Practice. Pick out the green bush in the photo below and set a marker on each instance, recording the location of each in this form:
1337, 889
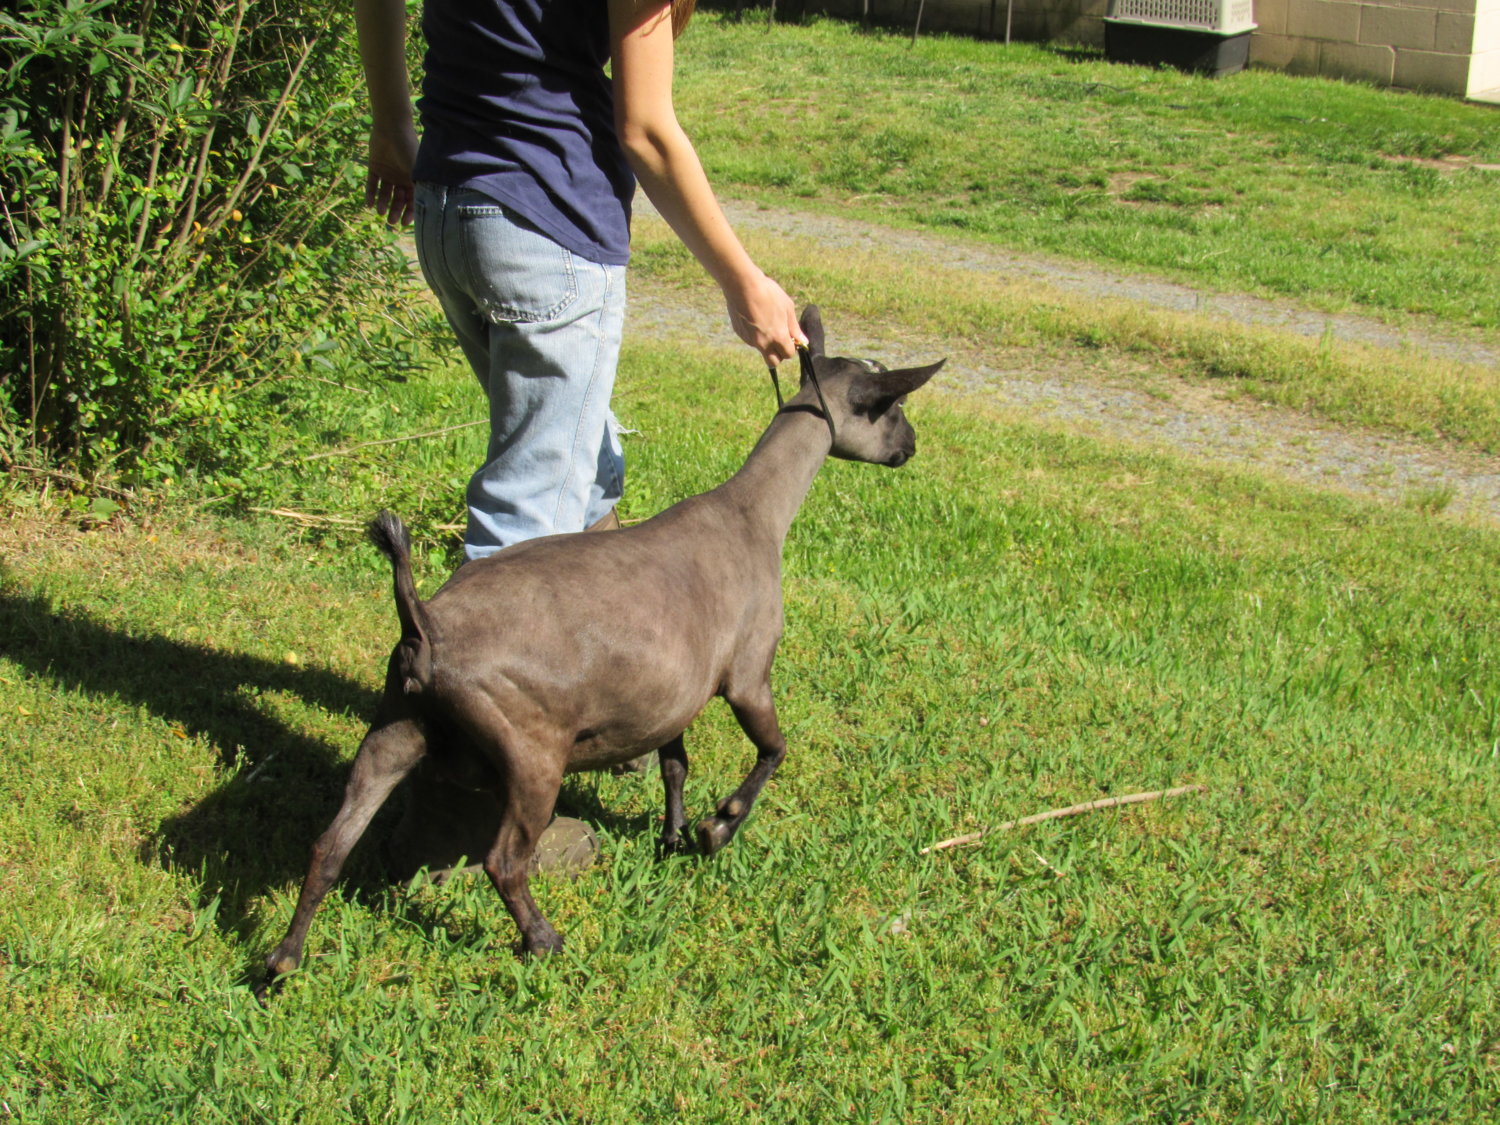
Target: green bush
180, 240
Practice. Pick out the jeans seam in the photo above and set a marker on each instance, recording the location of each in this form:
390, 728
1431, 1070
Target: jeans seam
612, 277
597, 315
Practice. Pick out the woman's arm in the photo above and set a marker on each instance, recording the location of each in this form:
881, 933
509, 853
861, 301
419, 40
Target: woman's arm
393, 137
669, 171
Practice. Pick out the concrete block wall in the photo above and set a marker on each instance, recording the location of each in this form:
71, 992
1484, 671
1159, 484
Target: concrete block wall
1419, 44
1449, 46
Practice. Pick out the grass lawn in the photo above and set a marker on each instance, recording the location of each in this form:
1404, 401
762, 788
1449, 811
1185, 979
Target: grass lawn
1337, 196
1018, 620
1015, 621
1336, 193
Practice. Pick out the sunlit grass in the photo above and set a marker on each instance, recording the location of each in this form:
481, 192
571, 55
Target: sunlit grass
1334, 193
1017, 620
1406, 391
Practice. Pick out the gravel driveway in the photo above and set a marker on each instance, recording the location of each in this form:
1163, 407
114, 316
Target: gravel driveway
1187, 418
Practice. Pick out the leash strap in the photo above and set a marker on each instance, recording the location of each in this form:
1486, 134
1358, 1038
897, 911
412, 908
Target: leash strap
776, 384
809, 374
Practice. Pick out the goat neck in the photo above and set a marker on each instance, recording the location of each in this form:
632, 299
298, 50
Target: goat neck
776, 477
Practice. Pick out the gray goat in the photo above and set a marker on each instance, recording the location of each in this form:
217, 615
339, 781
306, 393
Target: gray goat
579, 652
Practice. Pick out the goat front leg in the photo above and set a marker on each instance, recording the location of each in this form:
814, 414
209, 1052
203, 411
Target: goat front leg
387, 754
674, 768
756, 714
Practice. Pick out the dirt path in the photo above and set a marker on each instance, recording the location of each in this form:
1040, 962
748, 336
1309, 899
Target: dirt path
1187, 418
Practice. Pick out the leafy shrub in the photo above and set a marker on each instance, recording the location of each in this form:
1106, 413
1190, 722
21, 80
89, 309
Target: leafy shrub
179, 234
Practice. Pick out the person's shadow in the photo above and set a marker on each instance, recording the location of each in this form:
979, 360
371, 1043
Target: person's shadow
254, 831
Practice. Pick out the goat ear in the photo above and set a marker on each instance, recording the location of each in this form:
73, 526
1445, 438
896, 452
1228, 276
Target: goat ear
875, 393
812, 327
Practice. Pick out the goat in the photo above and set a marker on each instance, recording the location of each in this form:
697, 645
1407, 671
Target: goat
580, 652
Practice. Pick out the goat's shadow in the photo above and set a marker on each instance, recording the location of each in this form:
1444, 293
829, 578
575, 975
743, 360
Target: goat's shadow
252, 833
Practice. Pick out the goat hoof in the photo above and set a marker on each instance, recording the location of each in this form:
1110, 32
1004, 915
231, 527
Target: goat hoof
671, 845
277, 967
279, 964
543, 944
713, 833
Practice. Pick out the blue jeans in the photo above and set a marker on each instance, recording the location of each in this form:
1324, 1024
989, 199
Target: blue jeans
541, 328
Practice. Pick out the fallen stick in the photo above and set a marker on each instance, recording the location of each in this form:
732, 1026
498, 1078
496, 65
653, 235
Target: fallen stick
1071, 810
394, 440
307, 519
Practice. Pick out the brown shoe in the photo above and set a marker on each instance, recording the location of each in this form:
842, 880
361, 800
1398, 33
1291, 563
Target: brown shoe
607, 522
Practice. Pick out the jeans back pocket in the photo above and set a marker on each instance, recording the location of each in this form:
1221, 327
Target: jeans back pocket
514, 272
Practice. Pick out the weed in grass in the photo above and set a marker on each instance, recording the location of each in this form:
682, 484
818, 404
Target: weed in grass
1430, 499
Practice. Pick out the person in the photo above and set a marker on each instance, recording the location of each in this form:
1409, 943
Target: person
520, 189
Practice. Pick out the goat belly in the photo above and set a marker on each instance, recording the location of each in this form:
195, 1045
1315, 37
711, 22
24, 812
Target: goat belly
589, 753
610, 743
633, 717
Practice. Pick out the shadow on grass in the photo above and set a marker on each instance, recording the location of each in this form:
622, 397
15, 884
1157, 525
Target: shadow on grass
253, 833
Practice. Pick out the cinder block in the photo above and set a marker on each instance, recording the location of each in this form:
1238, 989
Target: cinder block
1456, 5
1283, 52
1429, 70
1337, 20
1454, 33
1086, 30
1271, 16
1398, 27
1354, 60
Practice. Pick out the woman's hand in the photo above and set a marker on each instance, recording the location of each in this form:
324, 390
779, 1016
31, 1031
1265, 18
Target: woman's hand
765, 318
388, 186
393, 141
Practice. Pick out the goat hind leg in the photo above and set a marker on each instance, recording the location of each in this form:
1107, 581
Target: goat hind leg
757, 717
528, 801
386, 755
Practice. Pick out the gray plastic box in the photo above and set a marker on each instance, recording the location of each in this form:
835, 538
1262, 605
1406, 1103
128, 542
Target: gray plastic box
1207, 36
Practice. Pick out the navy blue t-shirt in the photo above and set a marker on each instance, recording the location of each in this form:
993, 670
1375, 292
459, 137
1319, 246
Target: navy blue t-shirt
515, 103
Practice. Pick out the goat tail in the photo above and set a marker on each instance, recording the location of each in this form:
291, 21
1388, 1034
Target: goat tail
414, 651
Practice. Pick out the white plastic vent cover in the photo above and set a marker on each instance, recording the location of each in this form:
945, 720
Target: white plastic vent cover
1226, 16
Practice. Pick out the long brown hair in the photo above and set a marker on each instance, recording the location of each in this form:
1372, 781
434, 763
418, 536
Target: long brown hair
682, 11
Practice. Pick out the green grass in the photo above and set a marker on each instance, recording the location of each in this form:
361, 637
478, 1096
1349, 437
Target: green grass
1335, 193
1015, 621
